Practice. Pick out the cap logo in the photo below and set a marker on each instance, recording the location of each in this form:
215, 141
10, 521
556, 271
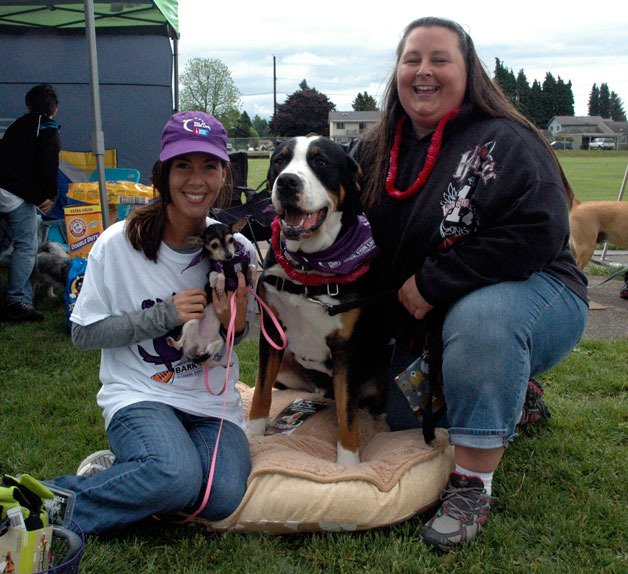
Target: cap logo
198, 127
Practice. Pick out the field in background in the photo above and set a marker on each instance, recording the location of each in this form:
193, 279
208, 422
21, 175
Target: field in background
593, 175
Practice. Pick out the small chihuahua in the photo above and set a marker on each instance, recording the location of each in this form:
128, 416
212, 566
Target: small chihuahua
201, 339
226, 256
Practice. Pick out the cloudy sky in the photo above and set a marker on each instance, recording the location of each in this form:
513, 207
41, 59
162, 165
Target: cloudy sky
342, 47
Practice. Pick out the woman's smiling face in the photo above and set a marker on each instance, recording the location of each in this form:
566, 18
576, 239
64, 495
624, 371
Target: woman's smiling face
431, 76
195, 182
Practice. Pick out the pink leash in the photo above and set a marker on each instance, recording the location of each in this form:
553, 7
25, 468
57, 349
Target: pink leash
230, 343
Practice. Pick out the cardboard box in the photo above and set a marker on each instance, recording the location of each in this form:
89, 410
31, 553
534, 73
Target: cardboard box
83, 224
25, 552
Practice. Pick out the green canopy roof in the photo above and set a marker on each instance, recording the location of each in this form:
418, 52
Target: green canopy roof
70, 14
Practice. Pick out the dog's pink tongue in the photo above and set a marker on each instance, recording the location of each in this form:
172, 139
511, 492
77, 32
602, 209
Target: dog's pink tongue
311, 219
297, 218
293, 217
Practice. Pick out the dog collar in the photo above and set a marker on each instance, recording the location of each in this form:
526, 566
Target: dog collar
241, 255
343, 262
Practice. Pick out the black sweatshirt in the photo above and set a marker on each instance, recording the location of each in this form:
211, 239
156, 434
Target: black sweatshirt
29, 158
493, 209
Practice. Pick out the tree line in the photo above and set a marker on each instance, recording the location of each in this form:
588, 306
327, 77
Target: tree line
206, 84
541, 102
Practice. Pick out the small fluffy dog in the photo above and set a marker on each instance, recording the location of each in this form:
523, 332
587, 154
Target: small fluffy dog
201, 339
593, 222
51, 267
316, 278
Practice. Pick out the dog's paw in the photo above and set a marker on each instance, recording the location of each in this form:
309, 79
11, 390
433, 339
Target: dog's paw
256, 427
346, 457
213, 347
217, 281
175, 343
220, 284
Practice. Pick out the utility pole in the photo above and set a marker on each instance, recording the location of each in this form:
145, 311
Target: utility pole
274, 98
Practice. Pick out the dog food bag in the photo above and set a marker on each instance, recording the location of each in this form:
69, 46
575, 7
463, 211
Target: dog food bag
118, 192
83, 224
73, 286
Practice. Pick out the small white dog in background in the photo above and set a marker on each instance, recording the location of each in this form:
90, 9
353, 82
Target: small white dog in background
52, 266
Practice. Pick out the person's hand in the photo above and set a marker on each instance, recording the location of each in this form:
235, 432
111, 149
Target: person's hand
45, 206
412, 300
221, 304
190, 304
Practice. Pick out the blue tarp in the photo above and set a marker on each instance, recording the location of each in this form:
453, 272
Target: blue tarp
135, 70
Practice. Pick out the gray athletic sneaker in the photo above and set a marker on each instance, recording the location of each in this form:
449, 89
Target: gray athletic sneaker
96, 462
462, 514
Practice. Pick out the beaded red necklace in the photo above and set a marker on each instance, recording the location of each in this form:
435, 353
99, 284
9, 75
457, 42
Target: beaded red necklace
430, 161
309, 279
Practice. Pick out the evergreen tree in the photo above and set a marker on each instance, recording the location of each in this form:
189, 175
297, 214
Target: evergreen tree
605, 101
523, 94
304, 111
364, 103
564, 99
536, 114
617, 108
506, 80
243, 129
260, 125
594, 101
551, 99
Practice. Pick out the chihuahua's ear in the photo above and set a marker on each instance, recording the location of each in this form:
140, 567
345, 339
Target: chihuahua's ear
238, 225
194, 240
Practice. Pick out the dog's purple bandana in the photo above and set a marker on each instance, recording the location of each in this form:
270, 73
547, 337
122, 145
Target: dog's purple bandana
239, 262
230, 268
351, 249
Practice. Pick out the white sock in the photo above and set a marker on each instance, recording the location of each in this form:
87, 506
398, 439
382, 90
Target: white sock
485, 477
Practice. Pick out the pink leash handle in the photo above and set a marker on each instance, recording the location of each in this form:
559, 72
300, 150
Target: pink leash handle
229, 347
282, 334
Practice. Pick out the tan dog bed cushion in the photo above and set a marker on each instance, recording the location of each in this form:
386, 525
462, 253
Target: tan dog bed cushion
296, 485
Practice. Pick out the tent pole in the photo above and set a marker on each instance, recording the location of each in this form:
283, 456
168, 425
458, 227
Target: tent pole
98, 138
175, 45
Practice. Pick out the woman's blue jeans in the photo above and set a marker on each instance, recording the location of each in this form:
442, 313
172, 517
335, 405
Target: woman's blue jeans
494, 340
162, 462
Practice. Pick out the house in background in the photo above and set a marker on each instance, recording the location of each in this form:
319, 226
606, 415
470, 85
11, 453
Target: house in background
346, 126
582, 129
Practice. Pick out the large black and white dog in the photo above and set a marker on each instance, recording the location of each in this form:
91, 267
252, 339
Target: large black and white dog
316, 278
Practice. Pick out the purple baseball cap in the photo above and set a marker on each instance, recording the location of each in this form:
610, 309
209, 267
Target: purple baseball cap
188, 132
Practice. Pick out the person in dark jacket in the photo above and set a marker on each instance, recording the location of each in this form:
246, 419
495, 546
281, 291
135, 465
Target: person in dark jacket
29, 163
468, 205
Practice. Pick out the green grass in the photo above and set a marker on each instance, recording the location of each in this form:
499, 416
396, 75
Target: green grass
594, 175
258, 169
559, 494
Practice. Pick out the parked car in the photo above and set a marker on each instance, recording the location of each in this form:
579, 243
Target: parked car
602, 143
562, 144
